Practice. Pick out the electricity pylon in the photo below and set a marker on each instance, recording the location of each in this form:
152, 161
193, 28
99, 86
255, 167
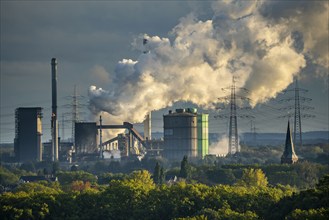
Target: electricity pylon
253, 132
297, 115
75, 109
233, 146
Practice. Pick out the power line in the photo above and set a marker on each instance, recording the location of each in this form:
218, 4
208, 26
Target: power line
234, 146
297, 115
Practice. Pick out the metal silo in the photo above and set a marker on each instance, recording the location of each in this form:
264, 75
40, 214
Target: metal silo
180, 134
203, 136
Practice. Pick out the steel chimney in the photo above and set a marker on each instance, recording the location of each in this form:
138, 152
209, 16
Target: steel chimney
54, 122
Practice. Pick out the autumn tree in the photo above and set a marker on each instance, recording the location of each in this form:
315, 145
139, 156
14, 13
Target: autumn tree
253, 177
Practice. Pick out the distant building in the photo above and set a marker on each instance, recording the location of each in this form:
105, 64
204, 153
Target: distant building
65, 151
85, 137
123, 144
185, 133
180, 135
31, 179
203, 136
289, 156
28, 132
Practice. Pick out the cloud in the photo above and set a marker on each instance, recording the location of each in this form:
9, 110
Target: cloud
309, 19
100, 75
201, 59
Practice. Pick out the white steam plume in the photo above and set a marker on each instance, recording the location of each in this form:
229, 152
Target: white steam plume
201, 59
220, 148
308, 21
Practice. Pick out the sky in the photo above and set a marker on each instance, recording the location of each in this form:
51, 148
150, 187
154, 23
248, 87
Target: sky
191, 51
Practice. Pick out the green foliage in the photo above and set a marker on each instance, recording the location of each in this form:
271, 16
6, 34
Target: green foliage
310, 214
39, 187
105, 178
28, 166
74, 168
127, 196
136, 196
253, 177
173, 172
227, 213
285, 178
22, 205
7, 177
162, 178
19, 172
221, 176
199, 217
304, 203
156, 173
323, 184
185, 169
177, 200
140, 178
68, 177
308, 173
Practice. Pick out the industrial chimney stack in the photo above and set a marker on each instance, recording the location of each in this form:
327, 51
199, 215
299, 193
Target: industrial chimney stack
54, 122
147, 127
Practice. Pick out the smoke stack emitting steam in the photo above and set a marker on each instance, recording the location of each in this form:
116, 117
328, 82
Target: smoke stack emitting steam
54, 122
202, 57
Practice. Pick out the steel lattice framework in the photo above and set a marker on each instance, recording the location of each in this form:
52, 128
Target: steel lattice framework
233, 145
297, 115
233, 127
75, 113
297, 119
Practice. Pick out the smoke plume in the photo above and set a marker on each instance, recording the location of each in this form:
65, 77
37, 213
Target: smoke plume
220, 147
263, 48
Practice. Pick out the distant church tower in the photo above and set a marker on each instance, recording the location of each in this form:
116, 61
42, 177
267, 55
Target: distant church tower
289, 156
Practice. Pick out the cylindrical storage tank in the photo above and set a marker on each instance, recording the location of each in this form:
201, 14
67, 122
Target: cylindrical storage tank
180, 135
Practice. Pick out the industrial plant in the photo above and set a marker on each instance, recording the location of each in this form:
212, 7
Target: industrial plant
28, 131
185, 133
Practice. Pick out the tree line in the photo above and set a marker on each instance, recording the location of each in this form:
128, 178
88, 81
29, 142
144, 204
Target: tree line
206, 191
136, 196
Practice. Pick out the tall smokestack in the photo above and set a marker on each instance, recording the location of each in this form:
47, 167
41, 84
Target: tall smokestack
54, 122
147, 127
101, 156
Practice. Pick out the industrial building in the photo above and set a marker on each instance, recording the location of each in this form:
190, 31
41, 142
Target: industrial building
203, 135
28, 132
147, 126
65, 151
85, 137
129, 144
185, 133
